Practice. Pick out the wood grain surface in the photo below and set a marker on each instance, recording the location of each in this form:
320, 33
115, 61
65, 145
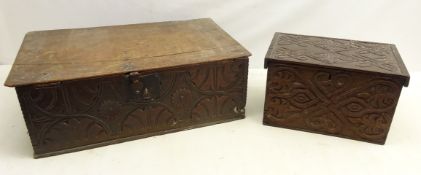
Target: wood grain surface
68, 54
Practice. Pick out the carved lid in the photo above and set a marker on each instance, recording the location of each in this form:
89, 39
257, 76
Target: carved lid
67, 54
337, 53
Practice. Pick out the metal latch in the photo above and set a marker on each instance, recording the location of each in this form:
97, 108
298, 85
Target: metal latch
143, 87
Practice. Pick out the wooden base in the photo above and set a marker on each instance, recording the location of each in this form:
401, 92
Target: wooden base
120, 140
323, 133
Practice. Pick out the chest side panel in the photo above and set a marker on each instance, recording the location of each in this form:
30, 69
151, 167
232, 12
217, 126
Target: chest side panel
78, 113
334, 102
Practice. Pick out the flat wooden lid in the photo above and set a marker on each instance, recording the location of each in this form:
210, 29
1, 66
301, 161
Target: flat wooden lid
68, 54
337, 53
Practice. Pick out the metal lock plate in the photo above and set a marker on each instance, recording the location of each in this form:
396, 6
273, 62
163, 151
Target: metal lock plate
143, 87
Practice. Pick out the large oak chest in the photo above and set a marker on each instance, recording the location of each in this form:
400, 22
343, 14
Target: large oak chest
83, 88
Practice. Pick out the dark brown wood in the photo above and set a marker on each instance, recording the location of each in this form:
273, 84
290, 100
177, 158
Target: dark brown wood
332, 86
84, 88
73, 115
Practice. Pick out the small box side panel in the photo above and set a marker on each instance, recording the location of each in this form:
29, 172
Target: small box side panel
73, 114
330, 101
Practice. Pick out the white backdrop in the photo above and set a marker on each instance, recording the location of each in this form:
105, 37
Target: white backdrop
251, 22
240, 147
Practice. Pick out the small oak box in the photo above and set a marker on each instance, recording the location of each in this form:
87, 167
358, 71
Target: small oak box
84, 88
332, 86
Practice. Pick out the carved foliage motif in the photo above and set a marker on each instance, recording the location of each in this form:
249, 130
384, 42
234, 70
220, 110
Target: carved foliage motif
77, 113
347, 104
217, 106
148, 117
329, 51
220, 77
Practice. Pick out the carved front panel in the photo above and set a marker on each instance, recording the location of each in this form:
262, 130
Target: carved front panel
77, 113
334, 102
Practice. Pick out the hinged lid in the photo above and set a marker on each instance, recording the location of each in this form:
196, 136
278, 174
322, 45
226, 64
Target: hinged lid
337, 53
67, 54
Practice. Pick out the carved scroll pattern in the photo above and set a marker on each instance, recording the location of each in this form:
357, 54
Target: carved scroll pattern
78, 113
332, 102
348, 53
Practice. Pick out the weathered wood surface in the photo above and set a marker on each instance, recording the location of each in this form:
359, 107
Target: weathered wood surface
332, 86
337, 53
68, 54
76, 115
